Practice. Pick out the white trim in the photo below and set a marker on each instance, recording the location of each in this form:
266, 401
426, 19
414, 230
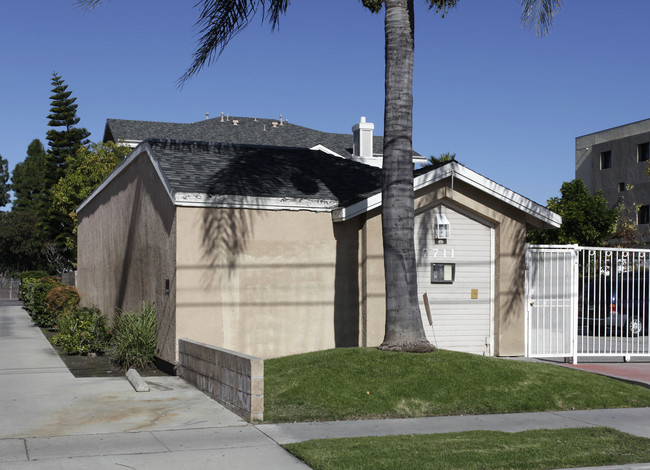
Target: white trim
370, 161
324, 149
129, 142
247, 202
493, 258
464, 174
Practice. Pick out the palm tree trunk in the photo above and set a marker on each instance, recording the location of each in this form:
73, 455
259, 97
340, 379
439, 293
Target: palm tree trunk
404, 330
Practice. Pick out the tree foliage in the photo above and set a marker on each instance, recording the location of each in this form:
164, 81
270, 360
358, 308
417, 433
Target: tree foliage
22, 244
586, 219
442, 158
89, 167
4, 182
64, 141
28, 181
20, 247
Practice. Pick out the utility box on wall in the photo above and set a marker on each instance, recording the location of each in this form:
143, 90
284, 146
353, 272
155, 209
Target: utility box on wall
443, 273
442, 227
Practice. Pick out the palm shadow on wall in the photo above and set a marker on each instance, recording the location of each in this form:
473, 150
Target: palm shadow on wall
251, 175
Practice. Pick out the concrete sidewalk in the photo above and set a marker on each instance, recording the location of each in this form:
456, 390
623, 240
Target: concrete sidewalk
51, 420
630, 420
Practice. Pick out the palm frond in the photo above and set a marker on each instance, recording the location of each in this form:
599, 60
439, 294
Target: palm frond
539, 14
88, 5
221, 20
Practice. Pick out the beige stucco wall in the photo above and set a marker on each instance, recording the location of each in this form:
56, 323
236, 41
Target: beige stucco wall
268, 283
126, 242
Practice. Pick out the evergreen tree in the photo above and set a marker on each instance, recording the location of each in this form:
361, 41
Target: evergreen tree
64, 140
20, 248
22, 241
28, 182
4, 182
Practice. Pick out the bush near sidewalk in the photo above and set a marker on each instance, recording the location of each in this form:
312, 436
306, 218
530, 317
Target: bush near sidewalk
26, 279
61, 299
37, 306
82, 330
134, 339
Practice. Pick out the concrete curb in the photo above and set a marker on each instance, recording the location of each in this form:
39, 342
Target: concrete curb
136, 381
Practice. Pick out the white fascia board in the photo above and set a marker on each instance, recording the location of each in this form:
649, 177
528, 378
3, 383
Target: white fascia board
128, 142
464, 174
143, 148
248, 202
346, 213
500, 192
324, 149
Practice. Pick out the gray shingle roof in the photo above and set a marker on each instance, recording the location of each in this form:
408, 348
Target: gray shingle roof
252, 131
263, 171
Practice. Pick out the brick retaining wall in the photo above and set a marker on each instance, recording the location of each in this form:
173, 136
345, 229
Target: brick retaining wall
233, 379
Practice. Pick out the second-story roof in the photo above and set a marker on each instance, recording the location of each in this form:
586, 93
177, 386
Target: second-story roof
236, 130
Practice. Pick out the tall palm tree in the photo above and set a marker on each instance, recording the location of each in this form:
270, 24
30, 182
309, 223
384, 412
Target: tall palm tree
220, 20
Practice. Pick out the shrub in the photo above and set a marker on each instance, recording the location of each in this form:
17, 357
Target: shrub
134, 339
37, 306
27, 279
61, 299
82, 330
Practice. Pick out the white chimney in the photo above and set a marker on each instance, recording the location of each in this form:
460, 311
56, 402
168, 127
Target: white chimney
362, 133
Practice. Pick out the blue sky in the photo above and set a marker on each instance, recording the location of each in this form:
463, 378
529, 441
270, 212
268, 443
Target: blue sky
506, 102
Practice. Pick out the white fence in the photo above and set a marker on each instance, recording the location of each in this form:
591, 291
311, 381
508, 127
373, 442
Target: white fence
587, 302
9, 287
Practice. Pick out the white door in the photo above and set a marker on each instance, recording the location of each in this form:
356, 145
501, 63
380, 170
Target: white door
457, 276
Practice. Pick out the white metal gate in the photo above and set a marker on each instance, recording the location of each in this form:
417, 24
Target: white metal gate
587, 301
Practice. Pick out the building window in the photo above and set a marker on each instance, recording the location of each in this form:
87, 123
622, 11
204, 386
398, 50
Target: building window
621, 187
605, 160
643, 217
643, 152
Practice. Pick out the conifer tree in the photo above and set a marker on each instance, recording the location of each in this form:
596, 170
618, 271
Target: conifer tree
4, 182
22, 241
64, 139
28, 181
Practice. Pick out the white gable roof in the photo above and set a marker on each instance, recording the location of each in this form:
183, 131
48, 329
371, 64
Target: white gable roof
459, 172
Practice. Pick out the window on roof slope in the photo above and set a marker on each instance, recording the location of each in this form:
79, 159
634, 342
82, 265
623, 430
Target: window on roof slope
621, 187
605, 160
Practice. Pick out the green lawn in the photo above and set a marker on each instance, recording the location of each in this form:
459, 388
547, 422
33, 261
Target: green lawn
477, 450
358, 383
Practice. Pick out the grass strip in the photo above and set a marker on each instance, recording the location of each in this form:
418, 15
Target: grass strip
541, 449
364, 383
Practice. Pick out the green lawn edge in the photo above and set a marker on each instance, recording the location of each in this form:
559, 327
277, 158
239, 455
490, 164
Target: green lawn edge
365, 383
540, 449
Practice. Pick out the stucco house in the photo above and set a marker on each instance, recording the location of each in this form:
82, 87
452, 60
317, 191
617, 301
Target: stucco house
271, 251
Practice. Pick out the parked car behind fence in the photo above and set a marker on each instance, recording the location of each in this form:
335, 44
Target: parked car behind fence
615, 305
